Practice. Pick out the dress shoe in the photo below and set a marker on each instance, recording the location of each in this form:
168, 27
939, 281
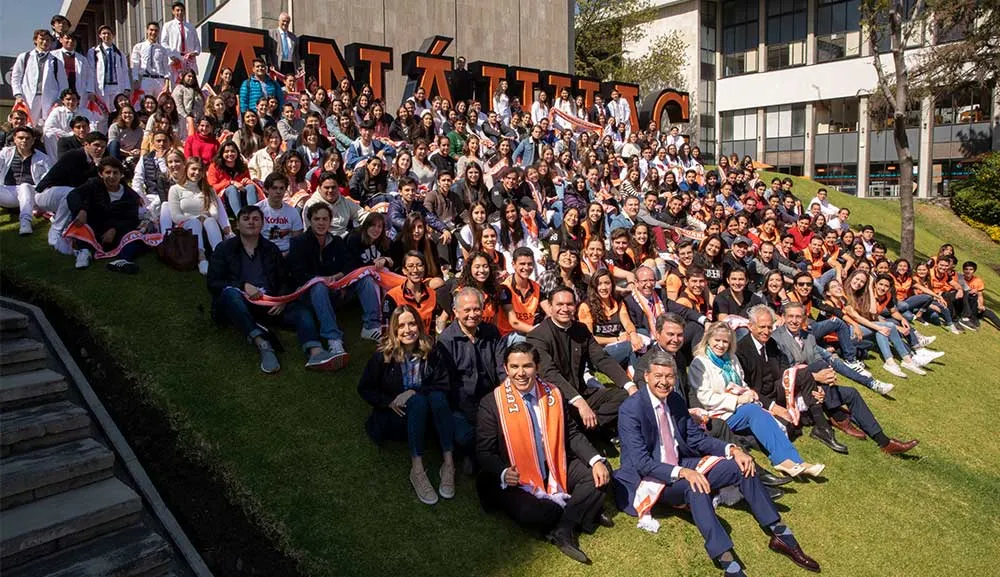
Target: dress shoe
828, 438
774, 493
848, 428
899, 447
769, 480
566, 542
605, 520
790, 468
795, 553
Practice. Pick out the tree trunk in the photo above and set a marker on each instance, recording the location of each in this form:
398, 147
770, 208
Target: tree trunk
906, 218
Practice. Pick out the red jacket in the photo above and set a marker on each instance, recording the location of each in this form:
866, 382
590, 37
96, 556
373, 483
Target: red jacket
220, 179
202, 147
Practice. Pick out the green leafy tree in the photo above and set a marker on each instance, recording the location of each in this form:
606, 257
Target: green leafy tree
601, 26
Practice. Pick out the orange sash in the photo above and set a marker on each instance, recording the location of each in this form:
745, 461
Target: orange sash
788, 384
516, 425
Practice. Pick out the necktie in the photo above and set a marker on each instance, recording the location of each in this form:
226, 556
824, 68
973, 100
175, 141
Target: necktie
109, 66
70, 60
183, 43
529, 402
41, 68
669, 452
284, 46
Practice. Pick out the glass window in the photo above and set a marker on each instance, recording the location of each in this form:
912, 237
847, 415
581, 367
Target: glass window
785, 121
740, 37
838, 29
840, 115
965, 105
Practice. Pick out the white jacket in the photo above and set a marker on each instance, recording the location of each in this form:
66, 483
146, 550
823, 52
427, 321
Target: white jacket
122, 75
24, 79
40, 163
707, 380
84, 74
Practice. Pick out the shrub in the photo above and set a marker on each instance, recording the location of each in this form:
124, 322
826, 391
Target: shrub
992, 230
979, 198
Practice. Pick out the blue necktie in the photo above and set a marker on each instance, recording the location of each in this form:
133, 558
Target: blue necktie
284, 46
109, 66
529, 401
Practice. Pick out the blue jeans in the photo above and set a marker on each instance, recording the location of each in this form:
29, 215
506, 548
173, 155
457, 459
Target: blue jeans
320, 298
233, 308
767, 431
515, 337
883, 342
418, 408
833, 324
465, 432
913, 304
237, 198
841, 368
820, 283
622, 353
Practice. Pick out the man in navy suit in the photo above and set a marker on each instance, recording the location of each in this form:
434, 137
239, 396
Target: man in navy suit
667, 457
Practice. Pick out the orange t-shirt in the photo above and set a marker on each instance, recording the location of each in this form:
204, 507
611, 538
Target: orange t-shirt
976, 284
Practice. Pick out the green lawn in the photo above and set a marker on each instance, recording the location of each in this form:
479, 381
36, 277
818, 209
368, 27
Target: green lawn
294, 444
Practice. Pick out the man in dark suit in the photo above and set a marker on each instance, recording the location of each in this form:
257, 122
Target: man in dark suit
765, 370
667, 457
286, 46
551, 484
567, 348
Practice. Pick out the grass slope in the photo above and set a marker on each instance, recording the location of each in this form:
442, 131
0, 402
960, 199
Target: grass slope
295, 443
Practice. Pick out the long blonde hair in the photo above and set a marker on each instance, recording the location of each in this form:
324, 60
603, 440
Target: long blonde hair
207, 193
392, 350
712, 330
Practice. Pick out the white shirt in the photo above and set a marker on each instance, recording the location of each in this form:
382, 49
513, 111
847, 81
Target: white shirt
657, 403
171, 38
149, 58
280, 223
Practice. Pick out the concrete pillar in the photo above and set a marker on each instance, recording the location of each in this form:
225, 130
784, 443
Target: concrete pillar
761, 133
809, 157
811, 32
925, 172
761, 34
864, 155
995, 121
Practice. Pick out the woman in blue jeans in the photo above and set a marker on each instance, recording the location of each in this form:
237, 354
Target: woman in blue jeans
405, 385
608, 320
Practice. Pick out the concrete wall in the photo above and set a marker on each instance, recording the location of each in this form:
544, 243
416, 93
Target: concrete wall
531, 33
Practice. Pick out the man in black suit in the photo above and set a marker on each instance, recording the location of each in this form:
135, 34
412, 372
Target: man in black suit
70, 171
567, 349
765, 370
544, 484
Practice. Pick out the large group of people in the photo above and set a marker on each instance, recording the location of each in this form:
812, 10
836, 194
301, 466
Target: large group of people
504, 256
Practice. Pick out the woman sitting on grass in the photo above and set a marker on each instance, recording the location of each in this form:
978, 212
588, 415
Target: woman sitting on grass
404, 384
193, 206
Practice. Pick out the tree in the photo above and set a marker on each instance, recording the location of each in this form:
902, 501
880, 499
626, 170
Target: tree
924, 67
601, 27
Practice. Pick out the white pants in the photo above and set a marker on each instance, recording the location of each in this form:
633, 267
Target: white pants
167, 221
54, 200
211, 228
21, 196
151, 86
39, 112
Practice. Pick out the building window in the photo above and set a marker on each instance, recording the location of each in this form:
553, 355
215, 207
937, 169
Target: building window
786, 33
839, 115
740, 37
706, 83
964, 106
786, 121
838, 29
739, 132
156, 12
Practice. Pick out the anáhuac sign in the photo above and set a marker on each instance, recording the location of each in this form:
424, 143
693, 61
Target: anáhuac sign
235, 47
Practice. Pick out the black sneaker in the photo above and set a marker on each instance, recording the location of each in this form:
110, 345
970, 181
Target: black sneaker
123, 266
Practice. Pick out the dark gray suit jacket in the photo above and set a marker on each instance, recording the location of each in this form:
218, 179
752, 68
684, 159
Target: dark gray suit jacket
276, 55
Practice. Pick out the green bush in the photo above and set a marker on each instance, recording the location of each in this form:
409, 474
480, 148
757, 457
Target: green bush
979, 198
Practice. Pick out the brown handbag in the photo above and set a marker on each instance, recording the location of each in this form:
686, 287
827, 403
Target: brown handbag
179, 249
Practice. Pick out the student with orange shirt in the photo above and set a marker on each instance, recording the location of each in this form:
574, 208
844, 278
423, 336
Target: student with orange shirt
944, 283
519, 298
675, 279
975, 306
608, 320
696, 295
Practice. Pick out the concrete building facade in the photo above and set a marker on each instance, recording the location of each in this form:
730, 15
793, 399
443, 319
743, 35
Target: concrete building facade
788, 83
536, 34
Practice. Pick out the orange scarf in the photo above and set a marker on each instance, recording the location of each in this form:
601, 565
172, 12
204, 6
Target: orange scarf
516, 425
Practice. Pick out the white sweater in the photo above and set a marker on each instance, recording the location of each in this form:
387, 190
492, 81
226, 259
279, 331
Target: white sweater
187, 202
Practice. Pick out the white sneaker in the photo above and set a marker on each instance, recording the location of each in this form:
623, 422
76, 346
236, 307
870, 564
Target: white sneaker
203, 267
54, 236
881, 387
82, 259
26, 228
336, 346
926, 356
911, 366
63, 246
374, 334
857, 366
926, 341
953, 329
967, 324
892, 368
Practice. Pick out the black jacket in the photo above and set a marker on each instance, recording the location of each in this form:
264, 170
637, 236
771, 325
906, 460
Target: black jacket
381, 382
68, 143
474, 368
225, 268
102, 214
763, 377
565, 369
306, 259
71, 169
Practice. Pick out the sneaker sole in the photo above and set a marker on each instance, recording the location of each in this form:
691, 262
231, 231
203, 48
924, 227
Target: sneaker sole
334, 364
267, 372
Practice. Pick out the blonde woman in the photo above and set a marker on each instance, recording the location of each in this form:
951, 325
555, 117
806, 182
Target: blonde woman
717, 377
403, 385
193, 206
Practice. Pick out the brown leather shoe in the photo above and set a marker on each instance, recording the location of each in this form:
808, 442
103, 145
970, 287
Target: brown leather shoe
796, 554
896, 447
848, 428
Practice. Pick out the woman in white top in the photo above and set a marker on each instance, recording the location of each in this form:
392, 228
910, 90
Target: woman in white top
423, 170
193, 206
540, 108
263, 161
501, 103
717, 377
566, 104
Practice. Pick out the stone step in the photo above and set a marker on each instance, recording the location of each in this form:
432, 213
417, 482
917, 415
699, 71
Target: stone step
21, 355
31, 388
39, 474
31, 428
58, 522
12, 324
133, 552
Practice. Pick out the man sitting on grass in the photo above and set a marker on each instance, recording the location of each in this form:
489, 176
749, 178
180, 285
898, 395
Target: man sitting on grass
111, 209
250, 267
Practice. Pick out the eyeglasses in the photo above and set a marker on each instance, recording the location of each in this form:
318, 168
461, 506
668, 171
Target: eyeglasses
413, 267
803, 284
